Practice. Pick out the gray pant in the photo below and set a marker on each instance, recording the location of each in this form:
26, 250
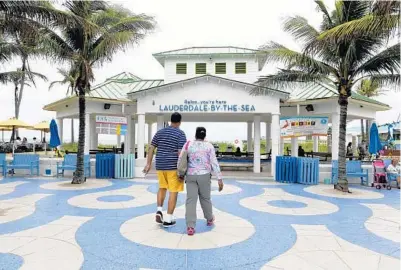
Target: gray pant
198, 185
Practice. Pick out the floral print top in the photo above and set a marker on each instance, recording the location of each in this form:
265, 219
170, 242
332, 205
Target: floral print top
201, 159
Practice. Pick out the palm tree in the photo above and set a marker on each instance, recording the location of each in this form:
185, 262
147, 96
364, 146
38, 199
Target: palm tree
369, 88
336, 58
69, 78
101, 31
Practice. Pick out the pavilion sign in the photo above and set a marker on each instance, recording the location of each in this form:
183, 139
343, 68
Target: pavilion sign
207, 106
112, 125
303, 126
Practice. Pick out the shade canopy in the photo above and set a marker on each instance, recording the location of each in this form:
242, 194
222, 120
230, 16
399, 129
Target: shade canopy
374, 142
14, 123
54, 137
42, 126
5, 129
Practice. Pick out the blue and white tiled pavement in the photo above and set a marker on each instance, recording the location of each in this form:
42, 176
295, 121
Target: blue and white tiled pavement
109, 224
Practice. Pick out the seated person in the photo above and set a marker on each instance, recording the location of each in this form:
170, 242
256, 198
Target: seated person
393, 171
238, 152
349, 151
301, 152
362, 150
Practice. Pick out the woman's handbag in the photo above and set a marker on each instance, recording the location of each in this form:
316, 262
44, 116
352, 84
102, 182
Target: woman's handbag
182, 165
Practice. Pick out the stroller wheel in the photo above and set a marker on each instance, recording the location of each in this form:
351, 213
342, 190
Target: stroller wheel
378, 187
388, 187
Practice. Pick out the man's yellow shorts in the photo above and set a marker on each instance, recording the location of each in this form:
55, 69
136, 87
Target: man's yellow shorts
170, 181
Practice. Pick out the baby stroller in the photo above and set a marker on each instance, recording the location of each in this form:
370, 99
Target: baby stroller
380, 175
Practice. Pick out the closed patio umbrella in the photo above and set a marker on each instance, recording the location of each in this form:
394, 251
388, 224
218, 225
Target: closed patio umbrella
54, 137
374, 142
14, 123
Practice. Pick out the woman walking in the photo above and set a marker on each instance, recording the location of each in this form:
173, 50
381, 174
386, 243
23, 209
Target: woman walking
202, 161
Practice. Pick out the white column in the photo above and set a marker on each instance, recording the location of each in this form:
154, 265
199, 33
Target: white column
160, 121
354, 144
93, 134
118, 141
268, 137
60, 129
256, 151
87, 133
150, 131
275, 133
294, 147
315, 143
249, 138
335, 121
127, 137
141, 136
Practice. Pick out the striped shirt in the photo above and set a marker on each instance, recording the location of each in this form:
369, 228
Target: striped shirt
168, 141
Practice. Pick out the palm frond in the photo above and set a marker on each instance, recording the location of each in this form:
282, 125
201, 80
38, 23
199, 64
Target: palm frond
320, 6
276, 52
387, 61
391, 81
370, 25
299, 28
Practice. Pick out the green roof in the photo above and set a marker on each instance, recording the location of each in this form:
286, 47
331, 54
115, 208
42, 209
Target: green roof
325, 91
118, 86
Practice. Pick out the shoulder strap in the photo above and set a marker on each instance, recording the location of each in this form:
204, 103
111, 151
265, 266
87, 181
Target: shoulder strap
187, 145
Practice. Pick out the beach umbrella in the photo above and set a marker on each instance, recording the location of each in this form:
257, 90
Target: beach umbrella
2, 132
44, 127
14, 123
54, 137
374, 142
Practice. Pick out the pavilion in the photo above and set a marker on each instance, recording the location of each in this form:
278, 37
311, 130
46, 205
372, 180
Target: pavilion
209, 84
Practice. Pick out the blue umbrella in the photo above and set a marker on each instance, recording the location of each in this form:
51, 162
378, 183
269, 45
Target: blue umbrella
374, 143
54, 138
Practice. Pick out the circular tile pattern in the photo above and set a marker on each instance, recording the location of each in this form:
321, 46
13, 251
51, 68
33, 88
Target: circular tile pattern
262, 183
139, 194
228, 230
115, 198
262, 203
329, 191
10, 261
66, 185
287, 204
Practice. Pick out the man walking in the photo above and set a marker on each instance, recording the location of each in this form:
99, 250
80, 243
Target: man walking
169, 141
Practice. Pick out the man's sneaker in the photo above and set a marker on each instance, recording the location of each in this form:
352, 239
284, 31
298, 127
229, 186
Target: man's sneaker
190, 231
210, 222
159, 217
168, 224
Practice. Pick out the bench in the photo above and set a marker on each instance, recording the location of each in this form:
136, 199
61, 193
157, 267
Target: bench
237, 165
353, 169
312, 154
70, 164
23, 161
2, 163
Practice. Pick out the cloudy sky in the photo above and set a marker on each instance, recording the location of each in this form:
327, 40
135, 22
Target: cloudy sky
183, 23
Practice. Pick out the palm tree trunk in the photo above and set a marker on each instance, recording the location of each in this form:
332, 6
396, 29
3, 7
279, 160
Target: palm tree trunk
79, 176
342, 176
362, 130
72, 130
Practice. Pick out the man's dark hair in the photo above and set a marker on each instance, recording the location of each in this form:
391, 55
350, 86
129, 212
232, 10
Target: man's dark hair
200, 133
176, 118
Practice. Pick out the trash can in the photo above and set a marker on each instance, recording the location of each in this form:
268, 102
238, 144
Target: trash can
124, 166
105, 165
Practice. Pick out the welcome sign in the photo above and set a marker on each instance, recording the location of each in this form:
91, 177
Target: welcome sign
112, 125
303, 126
206, 106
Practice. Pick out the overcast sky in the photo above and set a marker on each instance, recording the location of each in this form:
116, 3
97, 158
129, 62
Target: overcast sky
183, 23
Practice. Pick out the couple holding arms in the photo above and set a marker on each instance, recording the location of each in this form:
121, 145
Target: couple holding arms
171, 144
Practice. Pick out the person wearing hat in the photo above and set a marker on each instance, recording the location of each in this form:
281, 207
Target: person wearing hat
201, 163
